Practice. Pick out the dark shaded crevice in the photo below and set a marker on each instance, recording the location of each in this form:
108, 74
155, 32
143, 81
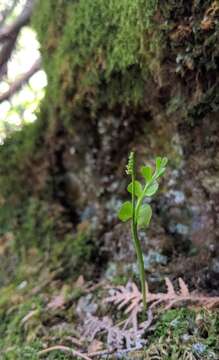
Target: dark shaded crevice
58, 174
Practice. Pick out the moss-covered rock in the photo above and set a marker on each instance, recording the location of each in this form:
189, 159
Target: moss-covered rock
96, 52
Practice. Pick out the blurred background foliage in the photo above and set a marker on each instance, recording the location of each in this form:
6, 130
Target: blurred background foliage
20, 108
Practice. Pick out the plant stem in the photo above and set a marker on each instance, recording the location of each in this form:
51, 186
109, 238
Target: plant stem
140, 263
141, 198
136, 241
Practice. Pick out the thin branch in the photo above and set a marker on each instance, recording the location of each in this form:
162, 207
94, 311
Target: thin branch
23, 79
7, 11
9, 35
64, 349
5, 54
8, 31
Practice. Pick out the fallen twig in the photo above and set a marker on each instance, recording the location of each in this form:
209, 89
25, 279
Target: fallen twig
64, 349
112, 351
102, 352
74, 340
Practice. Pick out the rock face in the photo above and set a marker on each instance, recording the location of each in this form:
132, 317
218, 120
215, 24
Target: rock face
123, 76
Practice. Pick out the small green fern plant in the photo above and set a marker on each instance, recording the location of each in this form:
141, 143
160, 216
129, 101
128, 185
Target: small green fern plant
136, 210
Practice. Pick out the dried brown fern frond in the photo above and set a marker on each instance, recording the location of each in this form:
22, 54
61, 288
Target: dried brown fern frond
130, 297
94, 326
117, 338
129, 335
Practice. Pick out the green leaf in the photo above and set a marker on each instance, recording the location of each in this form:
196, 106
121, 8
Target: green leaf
158, 162
144, 216
152, 189
137, 188
125, 212
160, 166
164, 162
160, 172
147, 173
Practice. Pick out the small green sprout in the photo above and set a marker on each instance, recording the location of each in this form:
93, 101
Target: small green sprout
138, 212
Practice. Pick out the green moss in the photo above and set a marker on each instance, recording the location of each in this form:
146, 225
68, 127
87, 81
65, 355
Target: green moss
76, 253
36, 226
22, 338
21, 352
81, 248
16, 156
33, 224
14, 335
184, 332
177, 321
6, 293
107, 50
103, 44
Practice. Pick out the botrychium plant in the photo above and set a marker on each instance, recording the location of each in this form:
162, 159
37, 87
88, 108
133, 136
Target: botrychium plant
137, 210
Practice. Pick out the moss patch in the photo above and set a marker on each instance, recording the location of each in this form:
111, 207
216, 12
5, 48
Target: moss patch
103, 45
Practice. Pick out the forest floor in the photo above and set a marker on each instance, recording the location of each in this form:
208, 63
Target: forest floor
43, 315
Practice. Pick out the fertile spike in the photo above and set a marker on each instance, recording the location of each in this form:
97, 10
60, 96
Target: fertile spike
130, 165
